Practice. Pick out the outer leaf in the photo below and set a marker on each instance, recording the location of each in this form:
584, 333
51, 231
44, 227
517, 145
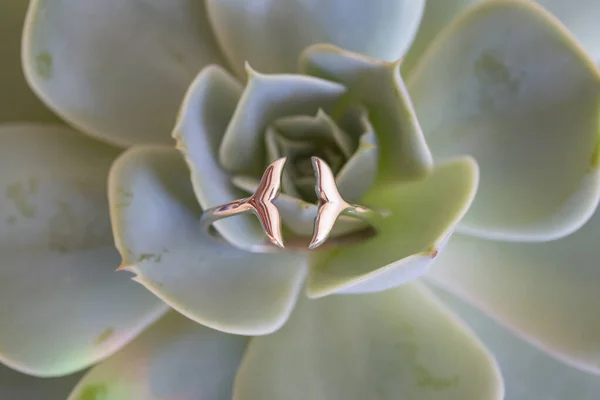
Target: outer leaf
17, 386
174, 359
399, 344
437, 15
505, 84
18, 103
403, 153
117, 69
581, 18
422, 216
270, 34
63, 306
155, 222
528, 373
547, 292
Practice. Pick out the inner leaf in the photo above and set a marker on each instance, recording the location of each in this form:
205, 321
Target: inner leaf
344, 143
300, 137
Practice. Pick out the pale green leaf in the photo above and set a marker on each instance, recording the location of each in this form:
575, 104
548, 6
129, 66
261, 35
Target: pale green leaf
63, 305
117, 69
270, 34
265, 99
437, 15
546, 292
173, 359
528, 373
320, 128
359, 173
205, 113
155, 221
581, 18
377, 85
422, 214
399, 344
505, 84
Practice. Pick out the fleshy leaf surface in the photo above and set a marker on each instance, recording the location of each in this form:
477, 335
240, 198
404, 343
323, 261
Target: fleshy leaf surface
173, 359
274, 152
265, 99
529, 374
377, 85
319, 129
507, 85
117, 69
205, 113
18, 103
422, 215
436, 16
398, 344
155, 221
270, 34
546, 292
359, 173
579, 16
63, 306
357, 147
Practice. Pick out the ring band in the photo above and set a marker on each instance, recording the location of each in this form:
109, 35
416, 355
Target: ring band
330, 206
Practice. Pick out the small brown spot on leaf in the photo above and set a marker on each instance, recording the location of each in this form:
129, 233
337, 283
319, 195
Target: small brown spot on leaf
20, 193
104, 336
79, 222
426, 379
150, 257
497, 83
43, 64
125, 197
491, 70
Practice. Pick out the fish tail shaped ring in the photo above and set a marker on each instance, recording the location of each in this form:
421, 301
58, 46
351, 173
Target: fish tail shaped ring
329, 208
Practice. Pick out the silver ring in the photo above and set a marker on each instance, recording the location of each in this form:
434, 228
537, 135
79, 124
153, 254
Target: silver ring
330, 206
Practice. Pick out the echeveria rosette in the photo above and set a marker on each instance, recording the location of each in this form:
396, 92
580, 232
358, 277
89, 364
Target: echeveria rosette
237, 137
222, 128
79, 61
159, 178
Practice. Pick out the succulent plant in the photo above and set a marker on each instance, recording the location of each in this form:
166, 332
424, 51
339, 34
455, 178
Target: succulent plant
473, 125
